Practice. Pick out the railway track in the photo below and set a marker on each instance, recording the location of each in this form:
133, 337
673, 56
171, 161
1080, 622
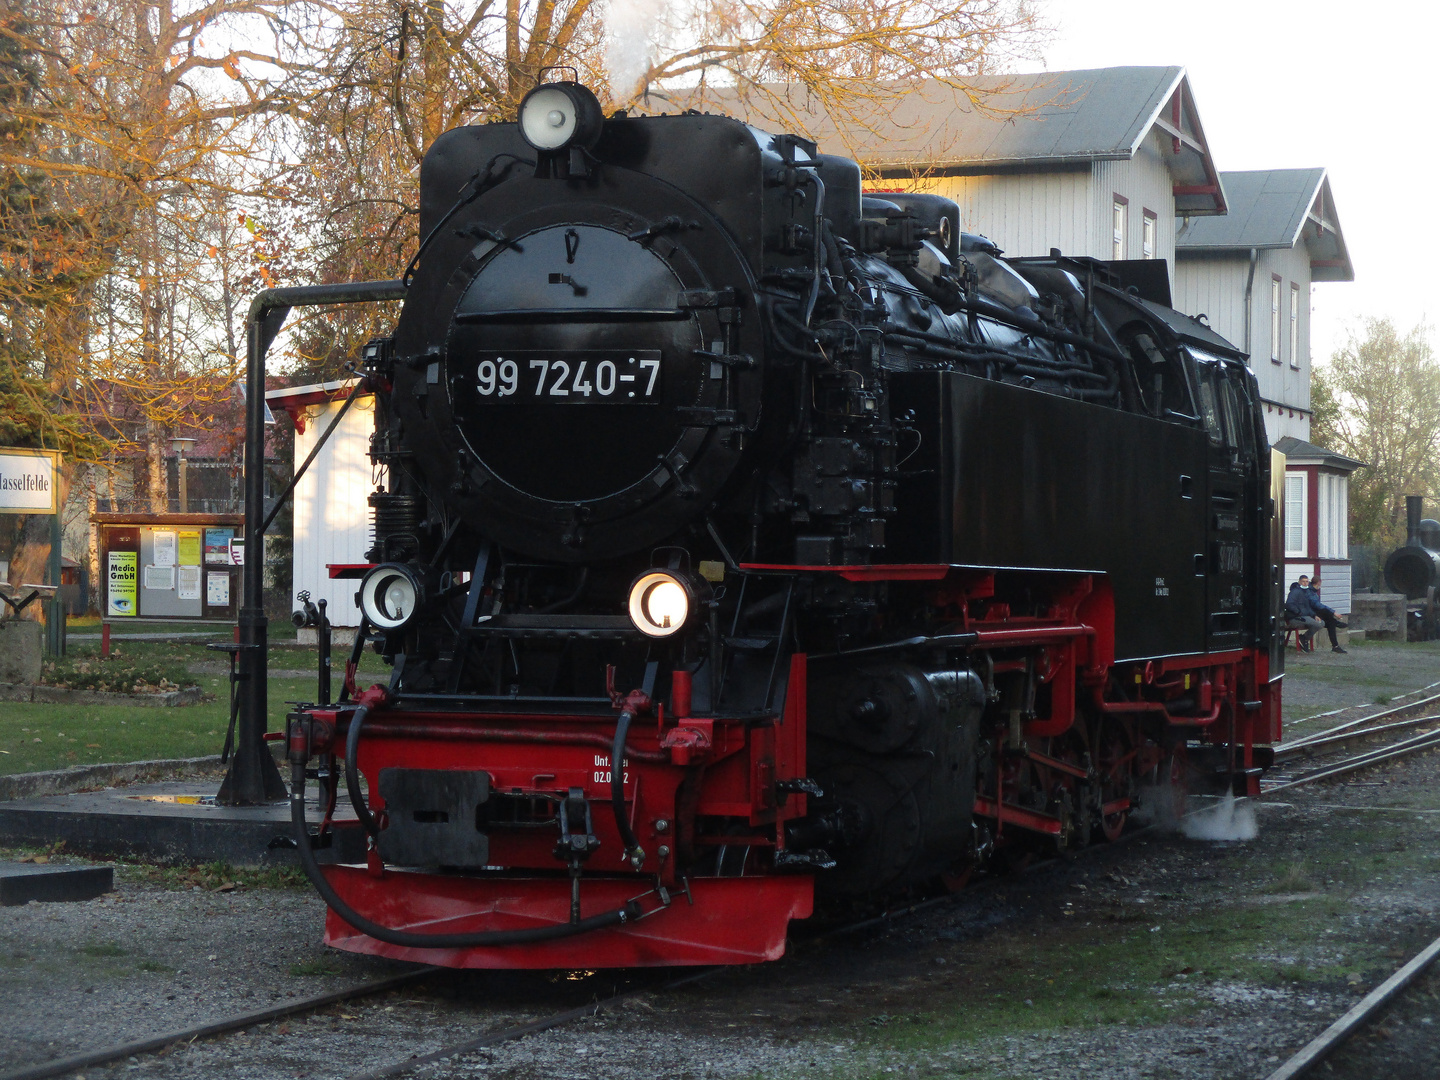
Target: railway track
240, 1021
1337, 1033
1356, 728
1320, 747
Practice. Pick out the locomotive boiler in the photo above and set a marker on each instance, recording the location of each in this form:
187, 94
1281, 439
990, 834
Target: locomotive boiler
747, 541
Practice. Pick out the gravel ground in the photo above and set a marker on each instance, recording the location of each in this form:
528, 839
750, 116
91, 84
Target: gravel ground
1161, 958
1320, 681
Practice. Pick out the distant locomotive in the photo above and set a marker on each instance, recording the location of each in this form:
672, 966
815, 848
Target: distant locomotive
744, 537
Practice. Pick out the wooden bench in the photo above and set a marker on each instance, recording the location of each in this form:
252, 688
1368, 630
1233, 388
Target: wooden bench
1292, 630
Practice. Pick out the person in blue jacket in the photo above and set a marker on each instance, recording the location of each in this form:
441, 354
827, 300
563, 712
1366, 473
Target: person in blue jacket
1304, 606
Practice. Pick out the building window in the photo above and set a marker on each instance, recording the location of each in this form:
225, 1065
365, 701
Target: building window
1334, 511
1295, 515
1149, 234
1120, 234
1275, 319
1295, 326
1342, 486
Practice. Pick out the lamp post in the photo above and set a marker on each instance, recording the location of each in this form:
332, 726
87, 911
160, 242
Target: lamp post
180, 446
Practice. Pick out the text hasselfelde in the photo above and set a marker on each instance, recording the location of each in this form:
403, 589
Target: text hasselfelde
25, 482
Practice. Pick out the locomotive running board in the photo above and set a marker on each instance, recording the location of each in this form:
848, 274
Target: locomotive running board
732, 920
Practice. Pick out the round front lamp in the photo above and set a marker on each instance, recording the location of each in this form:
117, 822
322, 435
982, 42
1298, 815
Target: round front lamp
661, 603
389, 596
555, 116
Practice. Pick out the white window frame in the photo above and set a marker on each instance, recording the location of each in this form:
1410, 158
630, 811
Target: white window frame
1275, 319
1119, 228
1296, 518
1324, 547
1342, 483
1149, 233
1295, 326
1334, 512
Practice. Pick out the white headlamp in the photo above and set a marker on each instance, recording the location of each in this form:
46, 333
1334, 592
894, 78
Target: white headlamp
555, 116
390, 595
661, 603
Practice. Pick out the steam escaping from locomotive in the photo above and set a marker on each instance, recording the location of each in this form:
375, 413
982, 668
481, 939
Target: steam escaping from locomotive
1225, 818
630, 31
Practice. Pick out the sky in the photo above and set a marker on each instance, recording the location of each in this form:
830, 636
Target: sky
1296, 84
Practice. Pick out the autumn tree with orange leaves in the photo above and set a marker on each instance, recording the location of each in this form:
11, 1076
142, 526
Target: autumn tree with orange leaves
149, 125
400, 72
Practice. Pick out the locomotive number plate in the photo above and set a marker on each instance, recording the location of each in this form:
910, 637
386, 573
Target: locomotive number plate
587, 377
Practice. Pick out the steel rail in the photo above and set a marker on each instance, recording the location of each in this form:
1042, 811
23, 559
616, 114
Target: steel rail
1311, 1054
1360, 761
533, 1027
1312, 745
61, 1066
1362, 720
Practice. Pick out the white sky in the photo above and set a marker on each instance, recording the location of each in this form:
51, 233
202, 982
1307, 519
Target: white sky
1294, 84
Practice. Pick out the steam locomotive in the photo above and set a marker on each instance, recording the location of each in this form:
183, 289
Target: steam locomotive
747, 541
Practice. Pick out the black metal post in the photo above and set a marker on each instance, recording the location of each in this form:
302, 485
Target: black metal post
322, 639
253, 779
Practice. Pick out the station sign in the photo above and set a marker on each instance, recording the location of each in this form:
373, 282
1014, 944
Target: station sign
29, 481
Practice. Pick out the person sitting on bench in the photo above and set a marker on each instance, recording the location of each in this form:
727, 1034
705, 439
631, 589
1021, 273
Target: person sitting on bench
1304, 608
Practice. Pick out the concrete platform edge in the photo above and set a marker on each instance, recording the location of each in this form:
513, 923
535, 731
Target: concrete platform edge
81, 777
176, 839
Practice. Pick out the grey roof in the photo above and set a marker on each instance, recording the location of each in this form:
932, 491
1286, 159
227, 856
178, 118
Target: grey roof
1301, 452
1039, 119
1269, 208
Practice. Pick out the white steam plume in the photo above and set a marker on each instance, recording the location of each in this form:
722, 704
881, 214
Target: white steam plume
629, 42
1228, 818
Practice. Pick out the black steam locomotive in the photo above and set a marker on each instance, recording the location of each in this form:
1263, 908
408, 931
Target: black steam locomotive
743, 535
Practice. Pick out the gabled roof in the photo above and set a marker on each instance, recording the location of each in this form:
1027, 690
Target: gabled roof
1036, 120
1300, 452
1275, 208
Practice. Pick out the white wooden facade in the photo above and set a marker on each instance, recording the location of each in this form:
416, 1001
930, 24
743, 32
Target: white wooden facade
332, 524
1251, 278
1028, 212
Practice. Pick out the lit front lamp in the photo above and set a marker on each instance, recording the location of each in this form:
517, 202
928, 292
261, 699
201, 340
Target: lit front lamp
661, 602
555, 116
390, 595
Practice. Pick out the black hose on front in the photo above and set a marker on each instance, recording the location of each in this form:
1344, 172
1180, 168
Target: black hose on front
352, 772
408, 940
633, 851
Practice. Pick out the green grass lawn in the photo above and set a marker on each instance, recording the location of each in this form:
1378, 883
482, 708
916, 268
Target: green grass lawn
278, 629
37, 737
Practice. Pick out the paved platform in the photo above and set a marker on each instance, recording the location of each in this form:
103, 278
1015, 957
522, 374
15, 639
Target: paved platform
175, 821
21, 883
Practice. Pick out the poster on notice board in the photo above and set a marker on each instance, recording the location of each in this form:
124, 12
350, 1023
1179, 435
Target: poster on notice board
122, 570
187, 582
217, 545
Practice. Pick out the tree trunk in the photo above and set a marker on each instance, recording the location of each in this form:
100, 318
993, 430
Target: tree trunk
31, 559
92, 540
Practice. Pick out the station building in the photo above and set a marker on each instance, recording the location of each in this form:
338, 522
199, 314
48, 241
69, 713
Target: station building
1250, 272
331, 520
